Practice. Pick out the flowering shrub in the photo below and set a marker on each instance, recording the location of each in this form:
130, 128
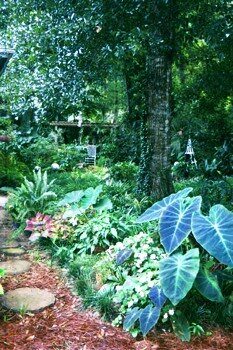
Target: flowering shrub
134, 278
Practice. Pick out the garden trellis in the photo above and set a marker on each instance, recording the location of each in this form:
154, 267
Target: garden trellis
189, 153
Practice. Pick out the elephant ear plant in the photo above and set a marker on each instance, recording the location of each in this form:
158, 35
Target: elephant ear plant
182, 269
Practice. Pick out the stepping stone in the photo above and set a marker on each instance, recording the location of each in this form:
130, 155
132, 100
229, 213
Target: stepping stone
27, 299
13, 251
10, 245
15, 267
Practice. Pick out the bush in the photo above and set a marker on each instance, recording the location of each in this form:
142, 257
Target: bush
43, 153
125, 171
11, 170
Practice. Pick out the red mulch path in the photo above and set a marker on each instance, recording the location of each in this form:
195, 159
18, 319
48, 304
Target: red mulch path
64, 327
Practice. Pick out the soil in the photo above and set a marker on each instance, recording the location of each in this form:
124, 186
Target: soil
66, 326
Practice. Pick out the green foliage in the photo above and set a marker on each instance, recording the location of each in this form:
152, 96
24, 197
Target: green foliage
218, 191
214, 233
125, 171
44, 151
97, 234
11, 170
69, 181
207, 284
31, 197
78, 202
180, 326
180, 271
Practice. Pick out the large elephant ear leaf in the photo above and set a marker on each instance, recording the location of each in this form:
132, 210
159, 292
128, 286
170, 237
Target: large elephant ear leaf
207, 284
177, 274
215, 233
175, 223
148, 318
71, 197
131, 317
156, 210
123, 255
157, 296
181, 326
90, 196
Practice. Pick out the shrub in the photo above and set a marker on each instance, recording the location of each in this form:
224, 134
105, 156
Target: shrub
125, 171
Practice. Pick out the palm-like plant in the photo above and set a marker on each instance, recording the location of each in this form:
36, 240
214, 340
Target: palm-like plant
31, 197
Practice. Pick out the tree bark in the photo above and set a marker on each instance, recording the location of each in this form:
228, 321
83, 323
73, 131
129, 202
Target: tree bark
159, 124
157, 165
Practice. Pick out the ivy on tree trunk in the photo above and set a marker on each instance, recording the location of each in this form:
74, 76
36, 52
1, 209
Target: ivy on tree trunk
155, 179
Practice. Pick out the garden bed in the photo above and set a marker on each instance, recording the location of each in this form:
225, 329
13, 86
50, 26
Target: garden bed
66, 326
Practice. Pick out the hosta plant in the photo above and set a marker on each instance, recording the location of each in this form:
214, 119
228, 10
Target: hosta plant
183, 229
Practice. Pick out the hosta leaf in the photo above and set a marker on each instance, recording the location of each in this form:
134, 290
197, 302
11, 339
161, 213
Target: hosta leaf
148, 318
215, 233
177, 274
123, 255
71, 197
90, 196
156, 210
157, 296
175, 224
181, 327
131, 317
207, 284
103, 204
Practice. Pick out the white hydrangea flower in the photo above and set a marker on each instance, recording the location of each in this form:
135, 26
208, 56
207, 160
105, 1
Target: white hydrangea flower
120, 245
165, 316
130, 303
151, 284
118, 288
142, 294
171, 312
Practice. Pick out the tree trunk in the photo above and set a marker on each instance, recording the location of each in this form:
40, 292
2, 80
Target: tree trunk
159, 121
156, 179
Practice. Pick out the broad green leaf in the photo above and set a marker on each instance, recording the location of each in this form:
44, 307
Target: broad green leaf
207, 284
71, 197
157, 209
123, 255
131, 317
175, 223
215, 233
73, 211
90, 196
103, 204
157, 296
180, 326
148, 318
177, 274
